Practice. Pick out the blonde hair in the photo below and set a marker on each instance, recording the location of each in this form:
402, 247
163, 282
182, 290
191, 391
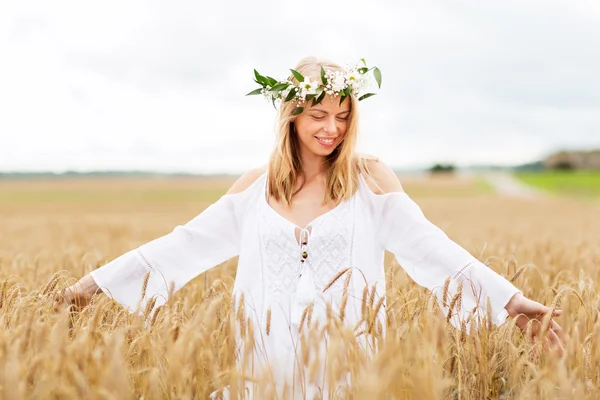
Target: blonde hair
343, 164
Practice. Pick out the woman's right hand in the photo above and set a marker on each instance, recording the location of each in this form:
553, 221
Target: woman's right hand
79, 294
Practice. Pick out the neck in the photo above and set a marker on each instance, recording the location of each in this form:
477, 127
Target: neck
313, 164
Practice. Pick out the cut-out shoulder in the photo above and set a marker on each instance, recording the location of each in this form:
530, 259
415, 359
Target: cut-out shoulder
381, 179
246, 180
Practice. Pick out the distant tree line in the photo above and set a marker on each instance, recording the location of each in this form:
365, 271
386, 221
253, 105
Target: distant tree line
573, 160
447, 168
558, 161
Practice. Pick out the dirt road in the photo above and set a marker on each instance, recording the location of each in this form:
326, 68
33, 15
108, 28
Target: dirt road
507, 185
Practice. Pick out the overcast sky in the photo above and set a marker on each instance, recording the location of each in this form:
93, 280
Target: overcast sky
160, 85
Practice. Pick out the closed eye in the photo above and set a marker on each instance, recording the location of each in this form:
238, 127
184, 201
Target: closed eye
338, 118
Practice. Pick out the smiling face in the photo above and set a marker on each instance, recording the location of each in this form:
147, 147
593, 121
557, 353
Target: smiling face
322, 128
325, 134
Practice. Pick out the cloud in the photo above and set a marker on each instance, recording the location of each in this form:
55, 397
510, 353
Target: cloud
160, 85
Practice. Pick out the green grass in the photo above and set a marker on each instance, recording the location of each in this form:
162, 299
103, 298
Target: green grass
574, 183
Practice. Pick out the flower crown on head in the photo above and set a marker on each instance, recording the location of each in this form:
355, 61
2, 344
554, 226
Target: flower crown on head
350, 80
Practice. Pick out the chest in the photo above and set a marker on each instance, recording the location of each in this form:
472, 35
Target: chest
307, 205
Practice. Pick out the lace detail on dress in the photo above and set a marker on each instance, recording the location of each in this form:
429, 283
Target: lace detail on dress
330, 249
331, 244
279, 255
463, 269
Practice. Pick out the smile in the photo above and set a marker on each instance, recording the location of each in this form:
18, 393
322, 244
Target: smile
325, 141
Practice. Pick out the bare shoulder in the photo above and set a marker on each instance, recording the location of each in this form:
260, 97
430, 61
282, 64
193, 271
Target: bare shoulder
247, 179
381, 178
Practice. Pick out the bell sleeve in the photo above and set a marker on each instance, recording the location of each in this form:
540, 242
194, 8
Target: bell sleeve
430, 257
209, 239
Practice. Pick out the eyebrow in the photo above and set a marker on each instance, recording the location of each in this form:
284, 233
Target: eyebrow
323, 111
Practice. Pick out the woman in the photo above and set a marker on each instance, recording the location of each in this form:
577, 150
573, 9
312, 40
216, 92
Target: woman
310, 229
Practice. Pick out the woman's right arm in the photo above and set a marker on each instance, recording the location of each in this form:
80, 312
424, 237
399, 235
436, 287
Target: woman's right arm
161, 267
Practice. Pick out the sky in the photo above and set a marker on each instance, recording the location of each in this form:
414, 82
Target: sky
160, 85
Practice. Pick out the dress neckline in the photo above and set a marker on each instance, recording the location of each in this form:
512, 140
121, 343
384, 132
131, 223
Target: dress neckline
314, 220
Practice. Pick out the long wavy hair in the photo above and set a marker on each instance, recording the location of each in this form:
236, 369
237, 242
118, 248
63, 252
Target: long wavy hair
343, 165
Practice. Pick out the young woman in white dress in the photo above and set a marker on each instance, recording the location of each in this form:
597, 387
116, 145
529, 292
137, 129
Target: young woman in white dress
310, 229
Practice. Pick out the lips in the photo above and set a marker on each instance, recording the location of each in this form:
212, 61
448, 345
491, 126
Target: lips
326, 141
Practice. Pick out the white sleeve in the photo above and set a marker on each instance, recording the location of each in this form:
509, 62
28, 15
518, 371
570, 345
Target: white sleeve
209, 239
429, 257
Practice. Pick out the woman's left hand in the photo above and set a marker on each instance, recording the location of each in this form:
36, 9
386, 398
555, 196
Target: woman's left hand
524, 310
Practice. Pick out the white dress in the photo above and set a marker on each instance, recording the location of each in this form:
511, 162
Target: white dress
278, 286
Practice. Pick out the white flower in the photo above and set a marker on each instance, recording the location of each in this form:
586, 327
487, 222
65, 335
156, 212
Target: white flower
308, 87
265, 92
364, 82
352, 77
357, 80
354, 80
336, 81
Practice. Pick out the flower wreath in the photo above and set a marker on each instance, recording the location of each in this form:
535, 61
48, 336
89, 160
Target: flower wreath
350, 80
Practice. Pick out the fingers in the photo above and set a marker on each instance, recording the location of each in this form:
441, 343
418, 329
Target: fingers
537, 310
66, 297
69, 297
75, 297
556, 342
544, 310
534, 316
555, 335
59, 300
557, 313
558, 331
551, 341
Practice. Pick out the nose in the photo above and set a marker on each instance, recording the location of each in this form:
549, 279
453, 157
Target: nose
330, 126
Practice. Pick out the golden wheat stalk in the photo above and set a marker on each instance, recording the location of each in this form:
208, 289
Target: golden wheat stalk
335, 278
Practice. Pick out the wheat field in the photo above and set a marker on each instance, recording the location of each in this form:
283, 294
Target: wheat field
55, 231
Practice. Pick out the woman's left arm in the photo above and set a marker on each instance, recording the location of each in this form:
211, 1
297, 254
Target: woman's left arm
436, 262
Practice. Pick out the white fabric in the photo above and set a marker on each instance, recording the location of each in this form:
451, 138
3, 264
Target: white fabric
274, 281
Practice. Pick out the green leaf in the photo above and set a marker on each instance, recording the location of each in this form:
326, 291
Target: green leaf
366, 96
363, 70
323, 77
342, 98
377, 74
255, 91
271, 81
298, 110
279, 87
319, 98
261, 79
363, 61
309, 97
297, 75
291, 94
